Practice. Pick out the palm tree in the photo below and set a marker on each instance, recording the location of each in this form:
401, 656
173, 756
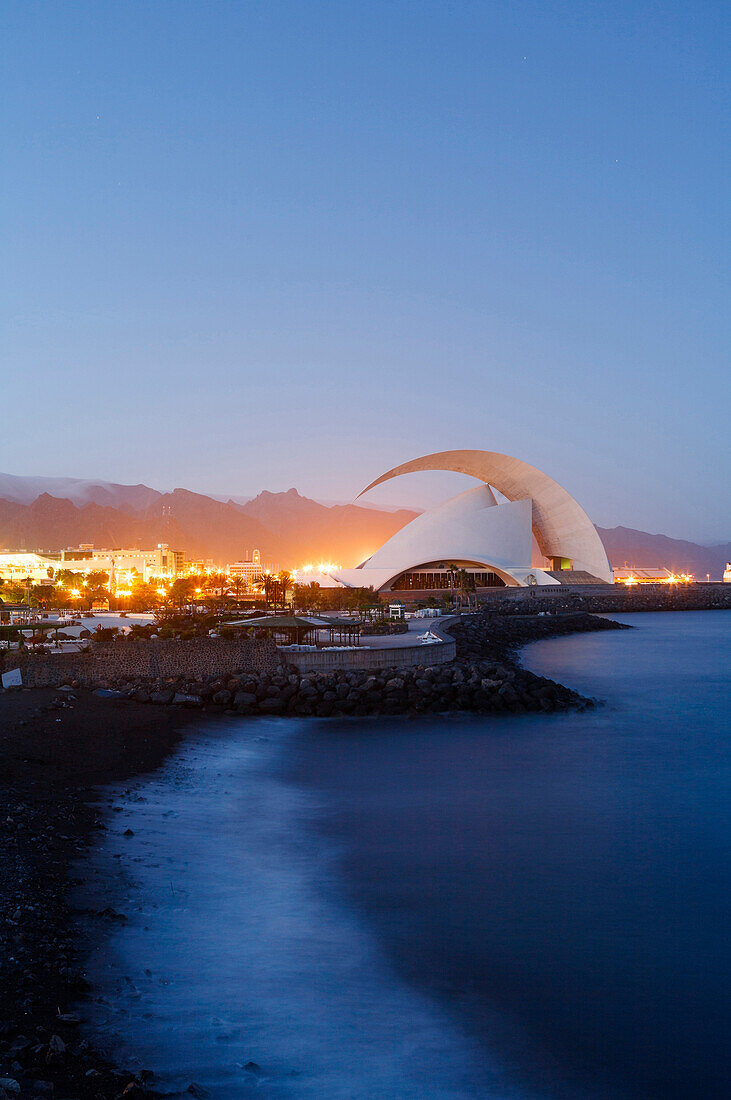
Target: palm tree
271, 590
452, 578
285, 580
466, 585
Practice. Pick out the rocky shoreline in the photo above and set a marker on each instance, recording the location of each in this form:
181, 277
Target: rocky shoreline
484, 677
57, 745
53, 754
613, 599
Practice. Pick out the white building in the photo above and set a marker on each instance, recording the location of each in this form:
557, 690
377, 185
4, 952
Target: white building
19, 567
124, 566
248, 569
492, 541
649, 575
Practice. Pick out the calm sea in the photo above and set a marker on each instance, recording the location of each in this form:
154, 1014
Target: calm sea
451, 907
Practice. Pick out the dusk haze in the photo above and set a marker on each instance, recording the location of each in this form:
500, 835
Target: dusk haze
365, 550
286, 225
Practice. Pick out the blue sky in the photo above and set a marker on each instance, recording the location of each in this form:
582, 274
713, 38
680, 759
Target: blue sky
257, 245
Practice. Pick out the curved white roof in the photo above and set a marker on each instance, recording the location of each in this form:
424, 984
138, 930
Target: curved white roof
560, 525
470, 527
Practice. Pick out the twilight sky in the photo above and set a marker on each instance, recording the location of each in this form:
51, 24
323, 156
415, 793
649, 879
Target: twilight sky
256, 245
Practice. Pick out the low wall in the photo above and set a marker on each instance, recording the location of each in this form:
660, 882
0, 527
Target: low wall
618, 598
163, 658
411, 656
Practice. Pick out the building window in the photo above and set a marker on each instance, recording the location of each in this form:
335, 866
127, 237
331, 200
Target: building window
429, 581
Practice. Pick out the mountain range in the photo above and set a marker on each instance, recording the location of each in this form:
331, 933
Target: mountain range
289, 529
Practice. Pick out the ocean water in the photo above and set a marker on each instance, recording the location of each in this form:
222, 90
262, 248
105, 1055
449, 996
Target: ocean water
451, 907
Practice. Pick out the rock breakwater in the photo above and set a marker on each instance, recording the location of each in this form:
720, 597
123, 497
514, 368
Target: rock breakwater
617, 599
485, 677
501, 635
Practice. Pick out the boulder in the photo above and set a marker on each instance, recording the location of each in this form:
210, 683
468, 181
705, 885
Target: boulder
186, 699
162, 698
244, 699
272, 706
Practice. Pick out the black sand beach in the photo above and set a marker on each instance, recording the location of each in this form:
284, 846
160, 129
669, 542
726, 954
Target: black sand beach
55, 747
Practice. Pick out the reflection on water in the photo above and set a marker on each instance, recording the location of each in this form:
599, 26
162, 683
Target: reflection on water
237, 951
451, 907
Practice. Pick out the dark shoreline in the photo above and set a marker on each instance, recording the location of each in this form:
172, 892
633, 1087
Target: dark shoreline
50, 767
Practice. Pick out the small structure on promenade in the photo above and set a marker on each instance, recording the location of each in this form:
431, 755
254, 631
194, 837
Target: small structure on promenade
37, 632
16, 614
295, 629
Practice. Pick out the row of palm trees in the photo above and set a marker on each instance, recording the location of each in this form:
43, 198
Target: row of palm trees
462, 587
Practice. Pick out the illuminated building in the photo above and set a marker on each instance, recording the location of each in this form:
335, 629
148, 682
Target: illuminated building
21, 566
323, 574
124, 566
488, 541
195, 568
248, 569
630, 575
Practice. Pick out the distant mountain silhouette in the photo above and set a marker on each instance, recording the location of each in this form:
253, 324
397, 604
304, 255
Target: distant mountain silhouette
49, 523
638, 548
206, 528
290, 530
340, 533
24, 490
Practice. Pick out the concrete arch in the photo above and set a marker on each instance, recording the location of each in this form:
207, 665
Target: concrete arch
560, 525
504, 574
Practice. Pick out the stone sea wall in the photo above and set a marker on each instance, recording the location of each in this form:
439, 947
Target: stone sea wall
123, 660
617, 598
412, 656
484, 677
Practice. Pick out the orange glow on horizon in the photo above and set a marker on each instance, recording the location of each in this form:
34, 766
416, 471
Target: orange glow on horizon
321, 567
680, 578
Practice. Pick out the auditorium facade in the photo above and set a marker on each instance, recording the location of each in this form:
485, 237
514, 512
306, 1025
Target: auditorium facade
516, 528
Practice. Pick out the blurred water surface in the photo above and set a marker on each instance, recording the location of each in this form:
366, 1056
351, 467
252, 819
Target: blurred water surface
450, 907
